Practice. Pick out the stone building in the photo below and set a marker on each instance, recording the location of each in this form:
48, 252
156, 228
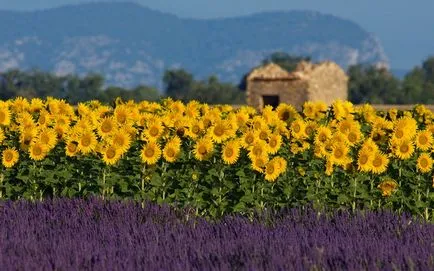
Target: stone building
271, 85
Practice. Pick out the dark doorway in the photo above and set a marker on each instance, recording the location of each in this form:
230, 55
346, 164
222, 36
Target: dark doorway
272, 100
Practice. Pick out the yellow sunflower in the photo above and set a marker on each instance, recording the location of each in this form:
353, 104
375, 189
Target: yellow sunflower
248, 139
5, 116
369, 145
339, 155
378, 136
320, 109
62, 120
262, 133
323, 134
111, 155
61, 130
36, 104
309, 110
121, 140
274, 143
298, 127
26, 138
259, 148
231, 152
10, 157
25, 121
271, 171
180, 124
282, 164
195, 129
430, 128
172, 149
218, 132
106, 126
286, 112
203, 148
299, 146
71, 148
232, 125
379, 163
424, 163
354, 137
44, 118
37, 151
424, 140
342, 109
310, 128
387, 187
405, 127
364, 160
87, 142
84, 124
241, 117
2, 135
259, 162
346, 125
150, 153
258, 122
48, 137
339, 138
20, 104
329, 167
192, 109
319, 150
393, 114
176, 107
122, 114
403, 149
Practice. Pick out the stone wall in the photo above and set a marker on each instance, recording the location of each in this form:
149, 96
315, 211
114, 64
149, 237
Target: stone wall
289, 91
327, 83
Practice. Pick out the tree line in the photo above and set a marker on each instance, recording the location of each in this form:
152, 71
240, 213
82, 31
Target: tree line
367, 83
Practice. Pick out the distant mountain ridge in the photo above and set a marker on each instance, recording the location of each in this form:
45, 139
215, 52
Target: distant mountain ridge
130, 44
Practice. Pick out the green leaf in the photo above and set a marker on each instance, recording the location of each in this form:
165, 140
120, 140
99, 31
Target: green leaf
342, 199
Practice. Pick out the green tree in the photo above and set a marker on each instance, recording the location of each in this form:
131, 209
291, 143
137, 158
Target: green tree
178, 82
428, 69
413, 85
90, 87
142, 93
369, 84
213, 91
9, 84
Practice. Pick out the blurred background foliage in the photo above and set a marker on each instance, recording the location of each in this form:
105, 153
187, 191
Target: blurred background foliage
367, 84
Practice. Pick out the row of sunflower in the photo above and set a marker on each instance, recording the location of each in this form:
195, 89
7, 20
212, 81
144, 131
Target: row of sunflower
343, 136
342, 140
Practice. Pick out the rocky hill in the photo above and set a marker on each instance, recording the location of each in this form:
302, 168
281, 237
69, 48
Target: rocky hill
130, 44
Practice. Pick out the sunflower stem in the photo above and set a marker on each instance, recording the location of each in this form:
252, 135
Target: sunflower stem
331, 179
103, 183
354, 194
164, 179
2, 176
143, 178
426, 208
371, 181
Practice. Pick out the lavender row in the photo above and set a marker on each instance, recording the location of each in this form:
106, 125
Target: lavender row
93, 234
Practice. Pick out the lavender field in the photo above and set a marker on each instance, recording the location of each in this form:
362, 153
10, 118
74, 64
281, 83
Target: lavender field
77, 234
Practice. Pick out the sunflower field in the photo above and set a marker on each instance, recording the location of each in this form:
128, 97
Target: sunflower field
219, 160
